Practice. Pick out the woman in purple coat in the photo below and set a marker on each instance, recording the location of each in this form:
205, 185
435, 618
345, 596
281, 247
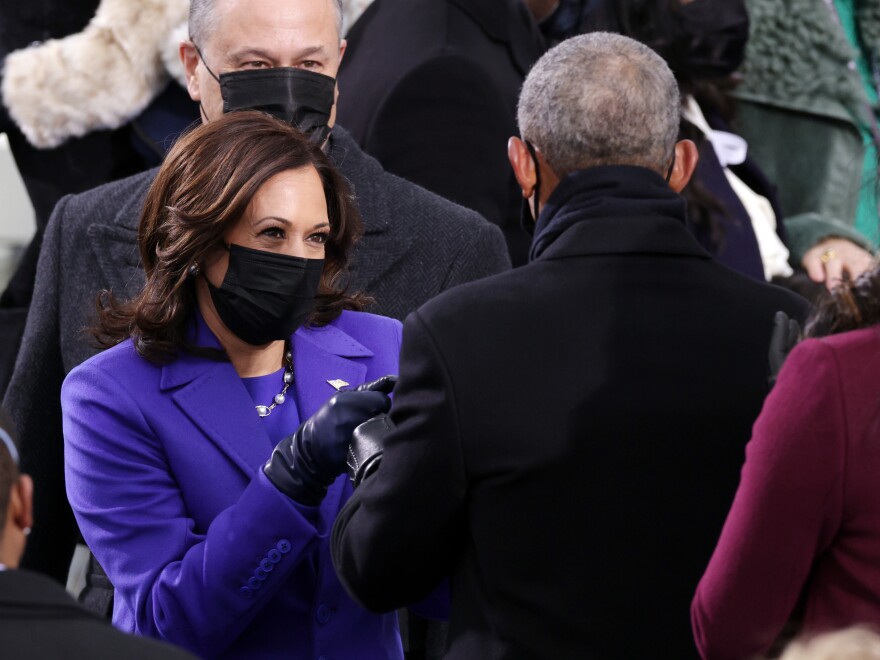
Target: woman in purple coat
243, 330
800, 550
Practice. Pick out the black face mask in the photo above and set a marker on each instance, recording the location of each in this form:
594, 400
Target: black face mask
266, 296
710, 38
301, 98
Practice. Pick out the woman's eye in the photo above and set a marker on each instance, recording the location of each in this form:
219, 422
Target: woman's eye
273, 232
319, 237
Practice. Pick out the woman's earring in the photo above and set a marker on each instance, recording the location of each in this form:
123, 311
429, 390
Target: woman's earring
193, 270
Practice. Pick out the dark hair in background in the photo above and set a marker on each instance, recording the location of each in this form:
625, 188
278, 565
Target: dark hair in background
849, 306
652, 22
8, 468
202, 190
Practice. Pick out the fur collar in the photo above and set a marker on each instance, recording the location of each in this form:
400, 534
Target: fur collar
100, 78
798, 57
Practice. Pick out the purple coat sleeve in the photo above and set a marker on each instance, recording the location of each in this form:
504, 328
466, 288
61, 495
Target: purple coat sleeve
785, 513
183, 586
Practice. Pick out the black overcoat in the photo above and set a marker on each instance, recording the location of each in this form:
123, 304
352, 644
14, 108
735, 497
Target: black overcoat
569, 436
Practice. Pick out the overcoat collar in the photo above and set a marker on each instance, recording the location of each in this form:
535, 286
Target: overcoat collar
213, 396
614, 210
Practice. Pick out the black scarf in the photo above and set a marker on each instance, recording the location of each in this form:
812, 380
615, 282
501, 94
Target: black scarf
608, 191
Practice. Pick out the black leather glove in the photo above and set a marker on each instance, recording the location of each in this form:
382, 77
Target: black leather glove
786, 334
305, 464
365, 450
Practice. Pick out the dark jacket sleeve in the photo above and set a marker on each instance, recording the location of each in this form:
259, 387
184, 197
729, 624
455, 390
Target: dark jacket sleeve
32, 401
395, 539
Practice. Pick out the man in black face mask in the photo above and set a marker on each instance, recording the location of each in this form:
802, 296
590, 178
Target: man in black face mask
276, 55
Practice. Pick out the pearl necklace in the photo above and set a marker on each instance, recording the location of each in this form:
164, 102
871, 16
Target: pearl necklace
281, 397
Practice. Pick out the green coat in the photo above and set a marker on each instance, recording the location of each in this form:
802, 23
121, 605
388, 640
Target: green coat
800, 108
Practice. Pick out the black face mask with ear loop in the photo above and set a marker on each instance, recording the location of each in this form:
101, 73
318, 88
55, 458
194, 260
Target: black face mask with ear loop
671, 167
301, 98
266, 296
526, 220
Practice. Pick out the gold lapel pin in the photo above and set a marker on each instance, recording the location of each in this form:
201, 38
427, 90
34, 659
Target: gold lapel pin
337, 384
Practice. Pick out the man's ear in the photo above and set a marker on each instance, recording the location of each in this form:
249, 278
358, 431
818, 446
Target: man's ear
21, 503
343, 44
686, 157
523, 165
189, 56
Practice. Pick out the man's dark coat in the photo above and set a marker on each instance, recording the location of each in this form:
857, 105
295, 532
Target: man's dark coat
569, 435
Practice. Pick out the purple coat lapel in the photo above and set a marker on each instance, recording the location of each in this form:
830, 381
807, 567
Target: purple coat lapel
320, 355
212, 395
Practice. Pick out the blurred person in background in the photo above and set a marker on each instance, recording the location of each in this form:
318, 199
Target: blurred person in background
808, 106
857, 643
431, 89
38, 619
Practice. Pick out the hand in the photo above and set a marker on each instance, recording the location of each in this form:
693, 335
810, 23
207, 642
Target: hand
306, 463
786, 334
828, 260
365, 450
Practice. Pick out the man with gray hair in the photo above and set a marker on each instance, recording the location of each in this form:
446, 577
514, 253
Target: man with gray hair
566, 438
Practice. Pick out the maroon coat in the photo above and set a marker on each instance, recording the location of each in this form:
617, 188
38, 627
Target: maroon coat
802, 540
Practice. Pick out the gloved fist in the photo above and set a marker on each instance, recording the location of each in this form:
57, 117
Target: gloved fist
306, 463
365, 450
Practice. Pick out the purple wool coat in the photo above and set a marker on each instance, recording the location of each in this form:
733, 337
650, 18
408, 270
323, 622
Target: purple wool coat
162, 464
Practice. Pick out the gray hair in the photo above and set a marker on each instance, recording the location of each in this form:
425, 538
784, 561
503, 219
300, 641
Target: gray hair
601, 99
203, 20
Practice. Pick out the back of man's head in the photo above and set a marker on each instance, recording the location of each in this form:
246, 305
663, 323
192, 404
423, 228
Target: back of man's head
601, 99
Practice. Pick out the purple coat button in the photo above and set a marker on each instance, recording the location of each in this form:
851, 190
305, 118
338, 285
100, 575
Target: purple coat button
323, 614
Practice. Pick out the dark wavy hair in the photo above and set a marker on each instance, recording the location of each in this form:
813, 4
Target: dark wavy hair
851, 305
202, 189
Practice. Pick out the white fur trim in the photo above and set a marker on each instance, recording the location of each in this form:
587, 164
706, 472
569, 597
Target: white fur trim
97, 79
170, 52
351, 11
